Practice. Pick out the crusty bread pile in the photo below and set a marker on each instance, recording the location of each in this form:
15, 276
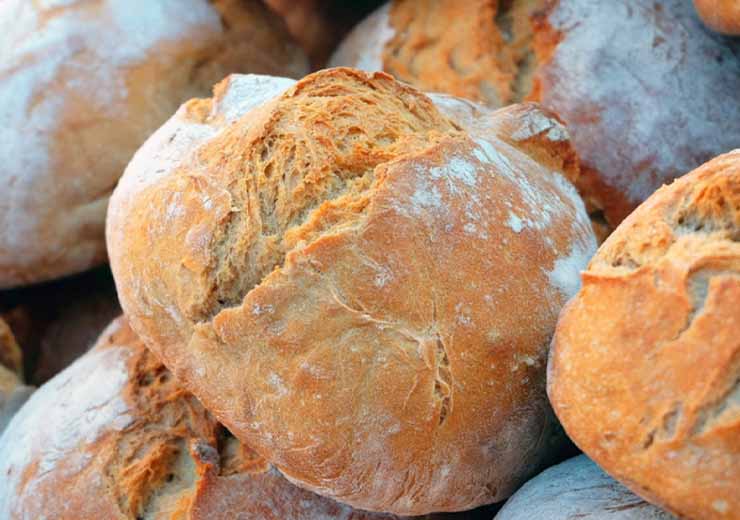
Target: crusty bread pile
374, 291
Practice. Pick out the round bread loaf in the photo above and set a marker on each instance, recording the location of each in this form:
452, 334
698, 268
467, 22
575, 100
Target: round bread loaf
574, 490
720, 15
114, 437
644, 372
359, 281
82, 85
647, 92
12, 391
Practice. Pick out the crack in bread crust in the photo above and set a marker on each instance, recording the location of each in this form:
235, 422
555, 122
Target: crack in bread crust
304, 175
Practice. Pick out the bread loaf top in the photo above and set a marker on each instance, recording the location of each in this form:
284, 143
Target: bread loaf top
82, 84
644, 371
344, 260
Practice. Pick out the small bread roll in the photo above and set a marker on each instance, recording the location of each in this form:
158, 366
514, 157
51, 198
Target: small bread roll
82, 85
644, 372
115, 437
574, 490
358, 280
12, 391
720, 15
646, 91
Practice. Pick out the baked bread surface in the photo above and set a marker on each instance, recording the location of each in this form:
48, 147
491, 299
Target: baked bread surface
647, 92
358, 280
82, 85
644, 371
115, 436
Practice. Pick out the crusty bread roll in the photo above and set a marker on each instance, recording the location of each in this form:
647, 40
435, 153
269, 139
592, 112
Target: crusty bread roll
647, 93
577, 489
359, 281
12, 391
114, 436
644, 372
82, 84
720, 15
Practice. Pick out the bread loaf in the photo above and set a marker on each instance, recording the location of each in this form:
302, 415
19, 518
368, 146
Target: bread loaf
114, 437
82, 84
358, 280
574, 490
646, 92
644, 372
720, 15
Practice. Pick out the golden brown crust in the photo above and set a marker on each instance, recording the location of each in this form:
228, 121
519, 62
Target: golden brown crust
479, 50
720, 15
82, 86
645, 363
138, 447
337, 259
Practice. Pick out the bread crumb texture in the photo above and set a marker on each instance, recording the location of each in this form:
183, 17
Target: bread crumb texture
333, 273
645, 367
115, 436
82, 84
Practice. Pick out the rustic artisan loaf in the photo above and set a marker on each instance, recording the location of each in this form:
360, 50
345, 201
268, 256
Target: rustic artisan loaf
114, 436
721, 15
82, 85
644, 372
358, 282
12, 391
647, 93
577, 489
